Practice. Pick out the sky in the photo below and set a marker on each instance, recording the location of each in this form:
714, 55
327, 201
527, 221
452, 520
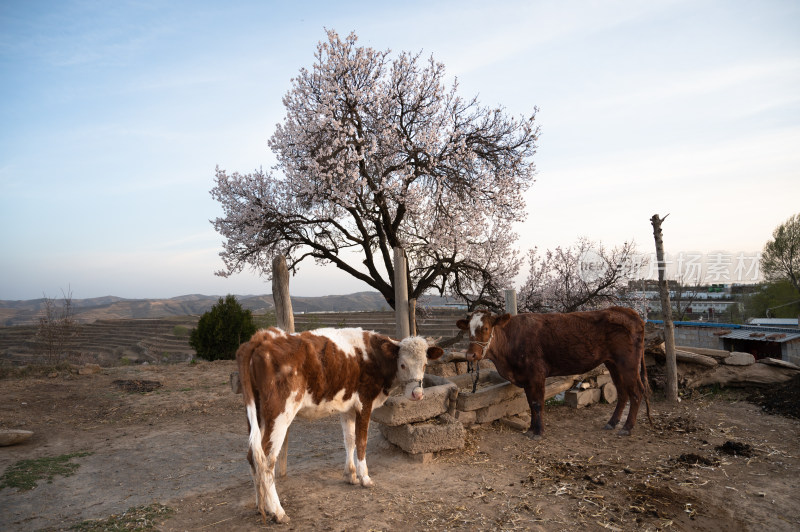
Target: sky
114, 115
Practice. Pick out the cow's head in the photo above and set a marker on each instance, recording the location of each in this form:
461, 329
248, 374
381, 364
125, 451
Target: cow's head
480, 326
413, 355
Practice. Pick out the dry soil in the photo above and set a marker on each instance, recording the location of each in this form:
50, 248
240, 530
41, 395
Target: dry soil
716, 461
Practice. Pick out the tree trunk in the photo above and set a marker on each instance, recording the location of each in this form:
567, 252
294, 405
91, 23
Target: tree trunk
285, 320
671, 383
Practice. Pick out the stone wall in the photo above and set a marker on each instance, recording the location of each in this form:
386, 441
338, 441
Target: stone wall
791, 352
697, 337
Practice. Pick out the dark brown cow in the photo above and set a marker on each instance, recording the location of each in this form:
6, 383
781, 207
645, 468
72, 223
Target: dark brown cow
528, 348
317, 373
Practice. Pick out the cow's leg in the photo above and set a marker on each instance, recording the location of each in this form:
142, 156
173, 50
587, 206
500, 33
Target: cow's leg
622, 396
635, 390
348, 420
362, 428
534, 392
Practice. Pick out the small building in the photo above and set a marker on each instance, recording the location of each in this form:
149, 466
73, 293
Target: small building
774, 342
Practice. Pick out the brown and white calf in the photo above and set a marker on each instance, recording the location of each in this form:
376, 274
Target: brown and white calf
528, 348
314, 374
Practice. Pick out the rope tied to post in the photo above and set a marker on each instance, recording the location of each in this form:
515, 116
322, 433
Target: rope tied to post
474, 367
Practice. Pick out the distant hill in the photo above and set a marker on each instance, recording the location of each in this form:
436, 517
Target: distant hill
111, 307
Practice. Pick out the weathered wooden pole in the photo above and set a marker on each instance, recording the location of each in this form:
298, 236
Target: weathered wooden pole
671, 384
401, 294
511, 301
412, 316
285, 320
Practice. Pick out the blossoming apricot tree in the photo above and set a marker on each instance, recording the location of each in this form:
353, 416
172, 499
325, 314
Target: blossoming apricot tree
375, 154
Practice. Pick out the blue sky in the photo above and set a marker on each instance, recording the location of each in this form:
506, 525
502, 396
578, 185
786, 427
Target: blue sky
113, 116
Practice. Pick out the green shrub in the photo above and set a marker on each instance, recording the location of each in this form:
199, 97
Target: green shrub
222, 330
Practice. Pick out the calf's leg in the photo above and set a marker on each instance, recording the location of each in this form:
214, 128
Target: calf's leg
362, 428
534, 392
622, 396
635, 392
265, 457
348, 420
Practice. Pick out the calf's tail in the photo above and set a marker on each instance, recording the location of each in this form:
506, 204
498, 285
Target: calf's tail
645, 380
259, 458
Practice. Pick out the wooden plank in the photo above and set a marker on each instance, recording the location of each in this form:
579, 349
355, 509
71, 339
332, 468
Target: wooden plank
719, 354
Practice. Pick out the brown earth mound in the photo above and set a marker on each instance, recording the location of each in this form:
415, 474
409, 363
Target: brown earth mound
782, 399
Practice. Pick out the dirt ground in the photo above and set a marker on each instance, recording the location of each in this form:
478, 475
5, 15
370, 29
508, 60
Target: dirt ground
717, 461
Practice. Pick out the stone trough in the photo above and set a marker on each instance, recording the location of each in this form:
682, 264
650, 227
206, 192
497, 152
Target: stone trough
425, 426
496, 398
437, 422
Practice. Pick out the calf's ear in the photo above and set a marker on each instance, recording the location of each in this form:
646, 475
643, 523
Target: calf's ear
435, 352
502, 320
463, 325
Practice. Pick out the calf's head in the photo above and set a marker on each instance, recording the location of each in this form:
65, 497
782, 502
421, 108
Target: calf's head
413, 354
480, 325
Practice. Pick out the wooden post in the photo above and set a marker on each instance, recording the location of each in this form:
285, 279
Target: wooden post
401, 294
285, 320
412, 316
511, 301
671, 371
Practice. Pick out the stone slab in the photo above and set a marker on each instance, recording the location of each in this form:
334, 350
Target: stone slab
488, 396
445, 433
466, 418
506, 408
399, 410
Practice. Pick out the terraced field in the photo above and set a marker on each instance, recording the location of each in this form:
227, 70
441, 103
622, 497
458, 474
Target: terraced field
111, 342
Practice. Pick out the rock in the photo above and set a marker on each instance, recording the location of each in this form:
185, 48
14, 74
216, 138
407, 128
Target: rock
609, 392
738, 358
13, 436
236, 384
519, 422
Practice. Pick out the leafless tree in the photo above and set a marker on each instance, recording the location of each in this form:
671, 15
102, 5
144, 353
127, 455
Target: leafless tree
685, 295
56, 325
585, 276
